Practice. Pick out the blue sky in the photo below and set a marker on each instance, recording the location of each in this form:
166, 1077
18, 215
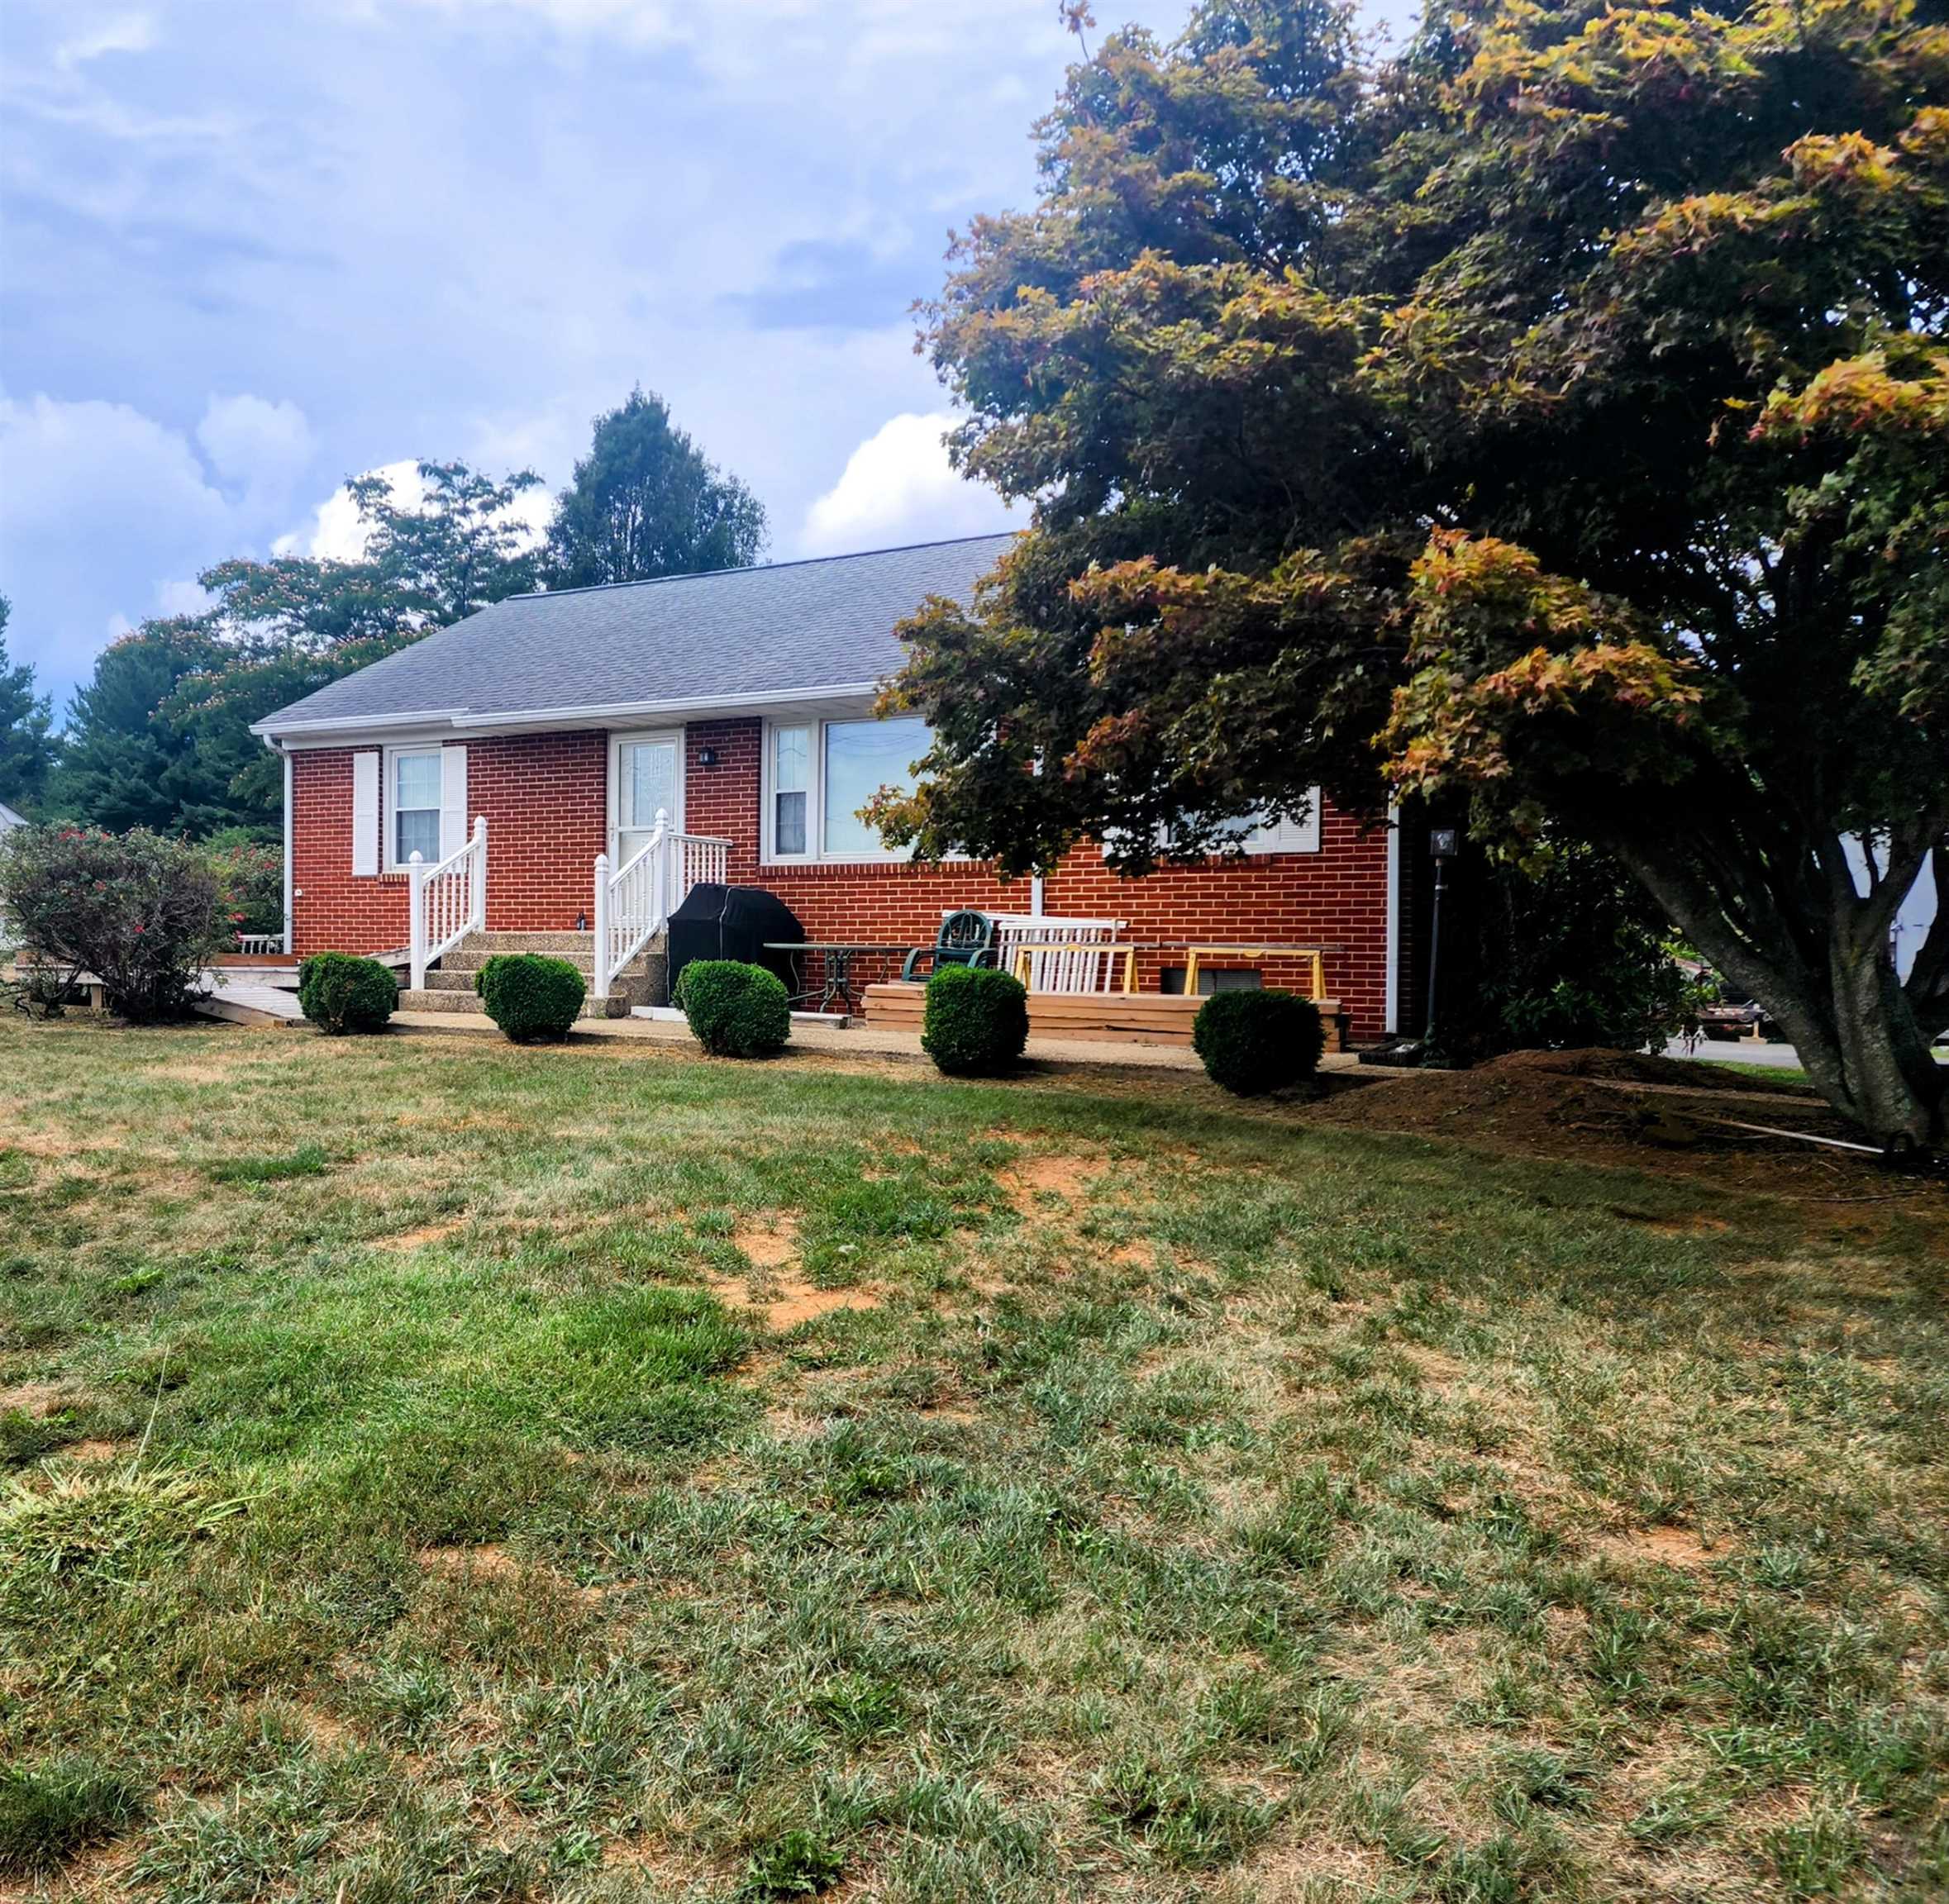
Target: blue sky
250, 247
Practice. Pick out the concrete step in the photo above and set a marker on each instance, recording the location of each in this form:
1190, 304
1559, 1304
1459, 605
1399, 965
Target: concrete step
637, 986
616, 1005
556, 945
578, 948
469, 957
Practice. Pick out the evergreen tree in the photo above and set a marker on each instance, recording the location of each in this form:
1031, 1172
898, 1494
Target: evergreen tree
646, 501
27, 750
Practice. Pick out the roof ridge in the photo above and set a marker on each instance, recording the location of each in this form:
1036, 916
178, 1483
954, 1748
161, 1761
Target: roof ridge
749, 568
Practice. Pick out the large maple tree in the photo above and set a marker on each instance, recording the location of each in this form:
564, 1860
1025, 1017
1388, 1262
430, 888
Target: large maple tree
1556, 415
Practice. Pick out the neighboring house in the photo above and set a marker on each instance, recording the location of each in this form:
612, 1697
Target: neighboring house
740, 703
9, 821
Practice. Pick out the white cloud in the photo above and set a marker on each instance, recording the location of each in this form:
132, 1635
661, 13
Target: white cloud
118, 33
85, 477
899, 486
336, 534
182, 598
258, 447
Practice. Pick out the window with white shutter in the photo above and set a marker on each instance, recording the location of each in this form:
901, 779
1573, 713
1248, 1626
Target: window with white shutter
453, 801
365, 814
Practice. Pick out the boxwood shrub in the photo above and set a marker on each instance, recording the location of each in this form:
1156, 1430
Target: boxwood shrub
975, 1021
529, 997
1253, 1042
340, 992
737, 1010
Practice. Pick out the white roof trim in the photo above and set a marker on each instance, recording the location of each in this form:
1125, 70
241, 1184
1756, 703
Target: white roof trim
594, 714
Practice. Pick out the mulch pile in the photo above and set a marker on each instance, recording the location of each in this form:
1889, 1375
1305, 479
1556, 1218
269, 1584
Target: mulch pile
1623, 1107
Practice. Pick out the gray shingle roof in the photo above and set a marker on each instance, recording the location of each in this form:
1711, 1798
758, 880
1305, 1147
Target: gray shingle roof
791, 628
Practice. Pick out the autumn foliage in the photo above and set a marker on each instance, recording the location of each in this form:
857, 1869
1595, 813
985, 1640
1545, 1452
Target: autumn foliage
1555, 419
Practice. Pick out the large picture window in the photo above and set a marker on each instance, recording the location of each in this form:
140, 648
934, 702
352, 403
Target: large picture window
819, 775
861, 757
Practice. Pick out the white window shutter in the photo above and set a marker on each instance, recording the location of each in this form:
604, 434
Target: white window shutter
365, 814
453, 801
1289, 836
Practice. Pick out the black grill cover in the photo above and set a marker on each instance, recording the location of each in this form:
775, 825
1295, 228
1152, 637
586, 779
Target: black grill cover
732, 922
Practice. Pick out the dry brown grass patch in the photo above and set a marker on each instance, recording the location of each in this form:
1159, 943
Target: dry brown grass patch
401, 1242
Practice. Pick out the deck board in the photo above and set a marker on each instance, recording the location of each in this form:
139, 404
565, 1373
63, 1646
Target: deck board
1130, 1018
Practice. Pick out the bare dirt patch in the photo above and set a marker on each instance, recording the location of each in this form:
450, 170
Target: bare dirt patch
770, 1244
1676, 1547
95, 1450
1051, 1173
495, 1562
797, 1303
492, 1563
38, 1399
402, 1241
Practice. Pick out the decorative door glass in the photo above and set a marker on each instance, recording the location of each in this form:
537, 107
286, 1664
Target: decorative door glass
646, 785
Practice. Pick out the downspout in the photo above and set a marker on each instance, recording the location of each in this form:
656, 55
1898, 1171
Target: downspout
1391, 1011
285, 754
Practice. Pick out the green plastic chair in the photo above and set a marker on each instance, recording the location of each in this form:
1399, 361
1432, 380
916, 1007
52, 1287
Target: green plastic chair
966, 939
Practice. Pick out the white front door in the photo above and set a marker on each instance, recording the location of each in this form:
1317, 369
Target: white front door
646, 777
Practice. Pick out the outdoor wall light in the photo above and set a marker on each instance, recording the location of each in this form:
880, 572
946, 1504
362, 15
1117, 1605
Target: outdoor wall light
707, 756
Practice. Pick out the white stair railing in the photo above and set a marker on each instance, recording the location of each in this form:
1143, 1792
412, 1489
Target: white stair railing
447, 902
634, 903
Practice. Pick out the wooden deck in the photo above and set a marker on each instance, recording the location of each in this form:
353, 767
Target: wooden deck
1110, 1017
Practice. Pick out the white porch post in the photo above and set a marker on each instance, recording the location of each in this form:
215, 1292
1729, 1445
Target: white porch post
600, 915
478, 884
415, 909
289, 926
660, 869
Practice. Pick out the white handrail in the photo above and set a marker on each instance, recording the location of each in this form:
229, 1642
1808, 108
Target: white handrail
447, 902
633, 904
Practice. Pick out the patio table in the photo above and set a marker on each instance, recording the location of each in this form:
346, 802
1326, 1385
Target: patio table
836, 967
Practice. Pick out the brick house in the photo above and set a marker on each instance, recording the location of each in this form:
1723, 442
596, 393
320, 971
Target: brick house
737, 706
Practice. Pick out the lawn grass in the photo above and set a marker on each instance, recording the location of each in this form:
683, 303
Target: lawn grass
444, 1471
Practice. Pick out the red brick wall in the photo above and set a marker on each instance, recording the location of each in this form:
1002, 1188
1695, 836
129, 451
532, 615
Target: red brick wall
1335, 897
546, 802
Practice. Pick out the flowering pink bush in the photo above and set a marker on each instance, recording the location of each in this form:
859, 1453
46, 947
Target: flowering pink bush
252, 877
143, 913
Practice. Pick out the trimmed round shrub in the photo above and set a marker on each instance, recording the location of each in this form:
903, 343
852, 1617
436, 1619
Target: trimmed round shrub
340, 992
1253, 1042
976, 1020
737, 1010
530, 997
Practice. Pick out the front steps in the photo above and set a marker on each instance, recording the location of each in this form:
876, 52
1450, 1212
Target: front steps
450, 985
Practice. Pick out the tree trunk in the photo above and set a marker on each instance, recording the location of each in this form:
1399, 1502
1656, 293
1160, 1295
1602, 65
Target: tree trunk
1843, 1008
